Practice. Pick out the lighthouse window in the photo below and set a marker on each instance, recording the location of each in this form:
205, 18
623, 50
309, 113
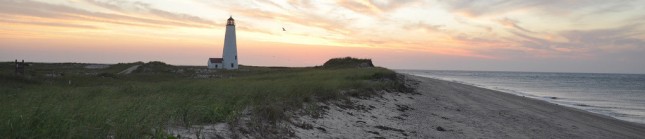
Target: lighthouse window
236, 57
231, 65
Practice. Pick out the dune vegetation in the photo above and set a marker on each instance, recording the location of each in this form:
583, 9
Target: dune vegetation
73, 100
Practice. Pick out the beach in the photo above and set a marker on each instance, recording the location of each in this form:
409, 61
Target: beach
443, 109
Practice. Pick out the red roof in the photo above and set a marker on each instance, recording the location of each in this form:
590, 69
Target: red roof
215, 60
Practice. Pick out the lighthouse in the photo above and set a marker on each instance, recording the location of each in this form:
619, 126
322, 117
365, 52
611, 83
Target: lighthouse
230, 46
229, 54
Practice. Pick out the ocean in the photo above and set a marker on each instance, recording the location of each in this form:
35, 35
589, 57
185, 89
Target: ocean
621, 96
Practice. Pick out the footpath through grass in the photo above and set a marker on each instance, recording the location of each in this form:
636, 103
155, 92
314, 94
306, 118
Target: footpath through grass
102, 104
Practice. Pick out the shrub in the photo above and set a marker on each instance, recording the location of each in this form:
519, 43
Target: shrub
348, 62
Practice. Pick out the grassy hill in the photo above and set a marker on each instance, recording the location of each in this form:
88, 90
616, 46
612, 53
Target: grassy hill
73, 100
348, 62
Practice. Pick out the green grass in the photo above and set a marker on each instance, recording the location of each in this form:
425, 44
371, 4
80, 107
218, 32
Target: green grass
145, 102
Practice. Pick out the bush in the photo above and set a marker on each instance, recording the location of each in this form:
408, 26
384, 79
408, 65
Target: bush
348, 62
155, 67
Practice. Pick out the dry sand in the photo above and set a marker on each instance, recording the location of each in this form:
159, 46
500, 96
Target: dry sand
445, 109
382, 116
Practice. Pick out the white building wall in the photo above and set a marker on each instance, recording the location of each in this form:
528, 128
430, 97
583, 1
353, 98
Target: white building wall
214, 65
230, 49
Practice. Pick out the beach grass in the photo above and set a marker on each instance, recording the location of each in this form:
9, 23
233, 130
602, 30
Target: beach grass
70, 101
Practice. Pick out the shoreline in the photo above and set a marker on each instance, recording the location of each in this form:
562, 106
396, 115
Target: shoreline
549, 99
444, 109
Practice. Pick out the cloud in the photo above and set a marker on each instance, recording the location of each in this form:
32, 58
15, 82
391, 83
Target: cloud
624, 38
68, 25
329, 21
561, 40
37, 9
476, 8
507, 22
423, 26
51, 11
139, 8
360, 7
302, 18
569, 44
464, 21
372, 7
301, 4
272, 3
252, 29
532, 42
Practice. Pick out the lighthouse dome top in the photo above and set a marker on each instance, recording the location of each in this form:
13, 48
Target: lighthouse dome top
231, 21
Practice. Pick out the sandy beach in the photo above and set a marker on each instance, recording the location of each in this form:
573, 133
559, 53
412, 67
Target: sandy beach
442, 109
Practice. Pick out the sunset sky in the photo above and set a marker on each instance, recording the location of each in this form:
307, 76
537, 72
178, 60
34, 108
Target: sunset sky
606, 36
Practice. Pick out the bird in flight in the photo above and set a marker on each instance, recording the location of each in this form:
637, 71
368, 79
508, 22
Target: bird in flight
283, 29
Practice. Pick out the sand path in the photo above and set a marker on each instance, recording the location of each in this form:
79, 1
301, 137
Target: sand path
129, 70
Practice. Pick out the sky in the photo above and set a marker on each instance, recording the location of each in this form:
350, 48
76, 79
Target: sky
598, 36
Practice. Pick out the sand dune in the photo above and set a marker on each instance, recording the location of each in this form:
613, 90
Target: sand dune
443, 109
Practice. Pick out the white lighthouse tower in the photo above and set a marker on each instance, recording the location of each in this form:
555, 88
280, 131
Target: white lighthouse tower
229, 57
